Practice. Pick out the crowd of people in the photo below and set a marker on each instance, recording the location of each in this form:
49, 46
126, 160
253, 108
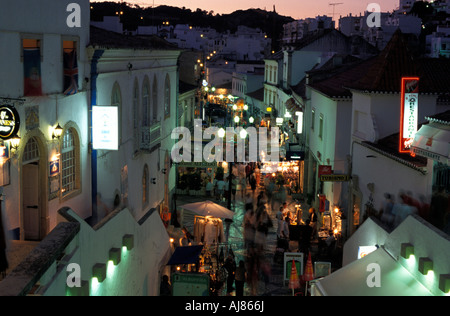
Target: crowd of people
436, 211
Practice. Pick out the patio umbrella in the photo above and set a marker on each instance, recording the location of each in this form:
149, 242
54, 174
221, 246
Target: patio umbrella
208, 208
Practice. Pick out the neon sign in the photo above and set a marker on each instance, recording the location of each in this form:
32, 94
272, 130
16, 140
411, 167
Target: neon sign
409, 113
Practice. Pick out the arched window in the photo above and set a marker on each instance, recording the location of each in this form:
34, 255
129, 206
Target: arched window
68, 163
155, 100
167, 97
31, 151
136, 105
146, 103
116, 100
145, 187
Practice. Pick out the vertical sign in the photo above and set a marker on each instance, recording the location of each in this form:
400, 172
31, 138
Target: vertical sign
105, 127
408, 113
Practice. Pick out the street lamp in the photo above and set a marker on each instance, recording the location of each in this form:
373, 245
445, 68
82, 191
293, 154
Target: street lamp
243, 134
236, 119
221, 133
251, 120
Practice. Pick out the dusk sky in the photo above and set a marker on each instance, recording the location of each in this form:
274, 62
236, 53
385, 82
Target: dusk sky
297, 9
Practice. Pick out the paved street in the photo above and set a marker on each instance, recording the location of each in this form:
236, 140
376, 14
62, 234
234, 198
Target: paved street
234, 231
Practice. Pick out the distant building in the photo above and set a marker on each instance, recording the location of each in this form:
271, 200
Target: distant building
380, 36
438, 43
296, 30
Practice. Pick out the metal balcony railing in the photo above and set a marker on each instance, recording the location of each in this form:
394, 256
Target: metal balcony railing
150, 136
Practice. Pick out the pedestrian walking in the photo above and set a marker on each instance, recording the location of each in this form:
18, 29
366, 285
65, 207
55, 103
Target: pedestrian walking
240, 278
249, 228
230, 266
253, 183
313, 221
263, 223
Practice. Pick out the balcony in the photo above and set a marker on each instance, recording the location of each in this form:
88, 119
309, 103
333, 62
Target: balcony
150, 136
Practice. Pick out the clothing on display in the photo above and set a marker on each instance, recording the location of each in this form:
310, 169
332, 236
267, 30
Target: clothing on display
208, 230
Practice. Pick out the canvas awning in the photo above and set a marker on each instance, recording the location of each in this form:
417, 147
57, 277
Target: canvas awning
433, 142
185, 255
351, 280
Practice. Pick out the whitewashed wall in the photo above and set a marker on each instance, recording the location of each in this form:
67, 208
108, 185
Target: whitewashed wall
46, 19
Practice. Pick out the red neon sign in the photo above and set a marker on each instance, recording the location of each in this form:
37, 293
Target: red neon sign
408, 112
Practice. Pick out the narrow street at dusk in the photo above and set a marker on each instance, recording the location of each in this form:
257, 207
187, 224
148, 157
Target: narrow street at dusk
217, 157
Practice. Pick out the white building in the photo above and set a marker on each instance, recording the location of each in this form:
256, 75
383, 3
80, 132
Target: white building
296, 30
438, 43
347, 117
45, 173
140, 77
375, 139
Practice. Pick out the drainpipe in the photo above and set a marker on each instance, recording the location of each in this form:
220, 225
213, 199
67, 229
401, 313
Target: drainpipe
94, 75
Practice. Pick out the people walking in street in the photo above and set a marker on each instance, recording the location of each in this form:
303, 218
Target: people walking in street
240, 278
253, 183
165, 289
280, 219
230, 266
220, 189
263, 223
313, 222
234, 184
249, 228
386, 210
269, 192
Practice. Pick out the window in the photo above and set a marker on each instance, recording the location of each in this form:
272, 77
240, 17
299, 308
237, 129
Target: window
70, 66
31, 151
145, 187
68, 163
146, 103
155, 100
167, 97
321, 126
32, 57
136, 105
313, 118
116, 100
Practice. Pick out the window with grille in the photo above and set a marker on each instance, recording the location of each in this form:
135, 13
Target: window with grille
31, 151
68, 164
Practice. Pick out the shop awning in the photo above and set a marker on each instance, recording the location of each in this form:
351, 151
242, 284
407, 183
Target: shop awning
351, 280
185, 255
433, 142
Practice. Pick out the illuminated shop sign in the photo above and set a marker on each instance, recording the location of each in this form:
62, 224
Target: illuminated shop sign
408, 113
9, 122
105, 126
